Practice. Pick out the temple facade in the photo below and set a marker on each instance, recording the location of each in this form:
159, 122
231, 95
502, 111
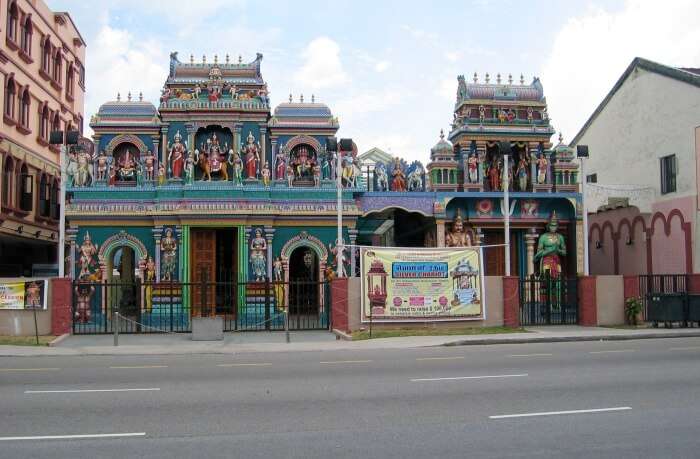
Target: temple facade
214, 184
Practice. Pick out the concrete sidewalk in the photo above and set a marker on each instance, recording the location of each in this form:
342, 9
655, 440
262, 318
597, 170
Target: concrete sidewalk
254, 342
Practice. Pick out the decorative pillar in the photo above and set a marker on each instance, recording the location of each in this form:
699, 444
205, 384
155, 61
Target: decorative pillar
157, 233
481, 155
237, 137
164, 149
273, 147
156, 150
263, 145
190, 137
96, 139
478, 237
440, 236
530, 241
246, 250
580, 252
71, 234
269, 235
352, 233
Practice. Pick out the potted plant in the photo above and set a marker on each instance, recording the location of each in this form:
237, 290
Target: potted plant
633, 308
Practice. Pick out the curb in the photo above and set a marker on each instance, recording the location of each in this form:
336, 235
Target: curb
339, 334
58, 340
570, 339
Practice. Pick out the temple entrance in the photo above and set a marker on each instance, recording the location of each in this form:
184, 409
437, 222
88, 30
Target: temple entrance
214, 271
396, 228
495, 257
123, 291
305, 290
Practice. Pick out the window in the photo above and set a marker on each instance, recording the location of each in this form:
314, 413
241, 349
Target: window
668, 174
7, 172
44, 123
26, 41
46, 56
12, 21
69, 80
56, 124
24, 109
10, 96
55, 205
592, 178
80, 125
26, 189
57, 66
81, 74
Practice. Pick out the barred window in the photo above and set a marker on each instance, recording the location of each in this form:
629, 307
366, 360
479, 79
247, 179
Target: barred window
668, 174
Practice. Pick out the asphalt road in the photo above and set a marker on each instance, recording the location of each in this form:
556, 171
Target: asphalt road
627, 399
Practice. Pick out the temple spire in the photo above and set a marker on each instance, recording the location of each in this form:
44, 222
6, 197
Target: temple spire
476, 78
442, 134
498, 78
313, 98
487, 77
128, 96
290, 97
522, 80
240, 59
119, 97
227, 58
140, 96
510, 78
301, 99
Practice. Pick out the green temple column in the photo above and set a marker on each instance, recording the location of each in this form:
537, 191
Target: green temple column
71, 233
263, 146
269, 236
157, 232
184, 259
164, 148
237, 136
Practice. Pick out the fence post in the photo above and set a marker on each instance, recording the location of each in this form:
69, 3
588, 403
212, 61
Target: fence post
267, 303
286, 323
115, 321
511, 301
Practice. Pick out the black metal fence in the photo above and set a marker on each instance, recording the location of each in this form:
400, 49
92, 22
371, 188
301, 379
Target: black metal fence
548, 301
169, 306
650, 284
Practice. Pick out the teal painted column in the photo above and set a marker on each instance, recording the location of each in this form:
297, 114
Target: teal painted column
185, 266
242, 268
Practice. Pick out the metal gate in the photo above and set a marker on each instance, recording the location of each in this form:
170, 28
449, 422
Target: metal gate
548, 301
649, 284
169, 306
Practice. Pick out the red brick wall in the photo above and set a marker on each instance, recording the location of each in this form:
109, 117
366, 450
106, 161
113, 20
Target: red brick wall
511, 302
693, 283
587, 302
61, 299
631, 286
339, 307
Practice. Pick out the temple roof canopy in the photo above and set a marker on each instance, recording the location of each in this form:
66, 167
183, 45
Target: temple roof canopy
201, 72
127, 108
532, 92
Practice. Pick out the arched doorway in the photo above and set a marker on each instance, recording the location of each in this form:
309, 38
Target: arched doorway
123, 292
304, 302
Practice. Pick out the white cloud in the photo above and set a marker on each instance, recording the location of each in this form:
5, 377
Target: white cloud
382, 66
591, 52
359, 106
447, 88
322, 67
452, 56
117, 62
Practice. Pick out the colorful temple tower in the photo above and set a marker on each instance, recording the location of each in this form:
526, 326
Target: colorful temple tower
215, 185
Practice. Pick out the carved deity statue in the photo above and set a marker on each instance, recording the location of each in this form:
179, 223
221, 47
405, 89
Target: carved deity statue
126, 167
317, 175
83, 169
277, 270
281, 165
189, 168
473, 168
339, 250
550, 248
542, 164
168, 247
458, 237
325, 168
176, 156
211, 159
258, 255
398, 180
251, 154
265, 173
522, 173
495, 175
237, 164
161, 174
381, 178
290, 176
415, 179
102, 166
89, 268
149, 165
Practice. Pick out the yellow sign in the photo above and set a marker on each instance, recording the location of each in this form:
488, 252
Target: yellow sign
419, 284
23, 295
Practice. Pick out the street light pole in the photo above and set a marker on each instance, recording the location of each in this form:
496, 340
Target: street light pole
586, 269
506, 205
62, 215
339, 205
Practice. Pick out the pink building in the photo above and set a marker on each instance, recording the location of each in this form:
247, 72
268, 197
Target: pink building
42, 59
643, 171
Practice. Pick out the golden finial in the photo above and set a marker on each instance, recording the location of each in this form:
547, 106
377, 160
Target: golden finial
476, 78
498, 78
290, 97
204, 58
128, 96
510, 79
216, 58
119, 97
240, 59
487, 77
191, 58
227, 58
522, 79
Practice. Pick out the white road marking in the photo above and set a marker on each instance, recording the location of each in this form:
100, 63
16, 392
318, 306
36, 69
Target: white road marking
79, 391
346, 361
457, 378
134, 367
552, 413
690, 348
68, 437
29, 369
244, 365
615, 351
530, 355
441, 358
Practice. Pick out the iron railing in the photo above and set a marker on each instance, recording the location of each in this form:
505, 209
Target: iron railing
548, 301
650, 284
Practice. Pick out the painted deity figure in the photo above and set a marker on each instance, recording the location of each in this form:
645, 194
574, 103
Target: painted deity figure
317, 175
277, 270
550, 248
149, 165
84, 290
473, 168
495, 175
89, 268
168, 247
126, 170
71, 167
177, 155
415, 179
290, 176
265, 173
521, 172
189, 168
281, 166
102, 166
381, 177
339, 251
213, 160
458, 237
542, 164
83, 170
161, 175
237, 164
325, 168
258, 248
251, 154
398, 181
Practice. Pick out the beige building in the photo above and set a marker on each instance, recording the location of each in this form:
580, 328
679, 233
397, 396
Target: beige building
42, 60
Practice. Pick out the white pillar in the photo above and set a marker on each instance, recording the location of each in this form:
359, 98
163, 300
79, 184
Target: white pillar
339, 204
269, 235
506, 206
582, 175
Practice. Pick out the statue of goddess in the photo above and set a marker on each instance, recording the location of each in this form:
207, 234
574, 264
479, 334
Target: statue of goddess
251, 154
542, 164
258, 247
325, 168
168, 246
473, 168
521, 173
265, 174
237, 164
89, 268
398, 181
83, 171
550, 247
177, 156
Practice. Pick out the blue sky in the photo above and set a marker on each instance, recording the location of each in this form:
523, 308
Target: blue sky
388, 69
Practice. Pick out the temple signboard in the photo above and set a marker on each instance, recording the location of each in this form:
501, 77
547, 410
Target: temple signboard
405, 285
